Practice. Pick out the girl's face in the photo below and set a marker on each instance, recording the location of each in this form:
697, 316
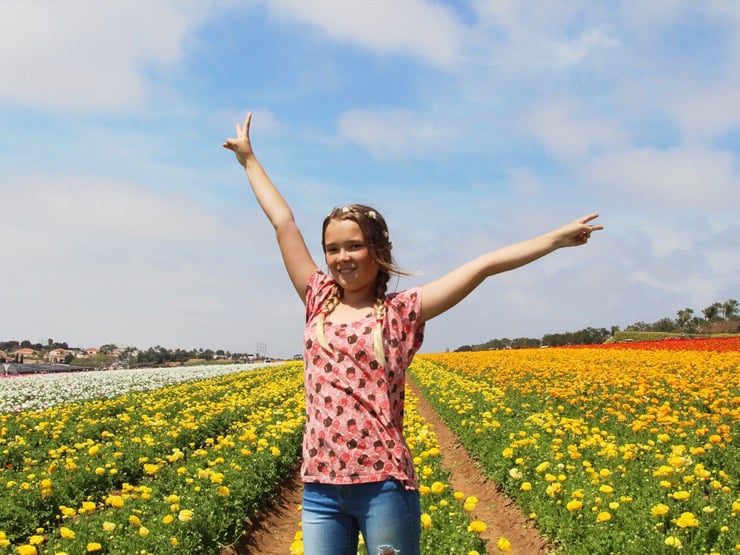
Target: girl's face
348, 257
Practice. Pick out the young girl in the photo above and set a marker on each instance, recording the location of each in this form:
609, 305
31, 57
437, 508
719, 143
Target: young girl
359, 340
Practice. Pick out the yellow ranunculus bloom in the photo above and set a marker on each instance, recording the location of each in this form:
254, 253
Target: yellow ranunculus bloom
603, 516
504, 545
94, 546
185, 515
66, 533
659, 510
426, 521
687, 520
109, 527
477, 526
673, 541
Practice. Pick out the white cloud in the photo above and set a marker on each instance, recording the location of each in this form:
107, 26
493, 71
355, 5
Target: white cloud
85, 56
569, 134
705, 113
428, 31
684, 178
392, 133
571, 52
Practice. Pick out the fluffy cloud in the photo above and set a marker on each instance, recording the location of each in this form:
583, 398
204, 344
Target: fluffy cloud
93, 56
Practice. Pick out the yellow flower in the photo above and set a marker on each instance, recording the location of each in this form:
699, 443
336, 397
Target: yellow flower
603, 516
66, 533
687, 520
94, 546
438, 487
134, 520
526, 486
681, 495
673, 541
504, 545
477, 526
168, 519
185, 515
109, 527
27, 550
115, 501
574, 505
659, 510
426, 521
223, 491
143, 531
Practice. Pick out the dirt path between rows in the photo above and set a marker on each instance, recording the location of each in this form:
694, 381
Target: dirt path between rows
274, 531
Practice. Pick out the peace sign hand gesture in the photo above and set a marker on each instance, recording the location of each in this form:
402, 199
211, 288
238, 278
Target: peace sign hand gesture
241, 146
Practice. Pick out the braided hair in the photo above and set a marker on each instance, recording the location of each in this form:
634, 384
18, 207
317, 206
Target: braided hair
375, 232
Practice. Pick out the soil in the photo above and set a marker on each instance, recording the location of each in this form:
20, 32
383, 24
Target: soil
273, 531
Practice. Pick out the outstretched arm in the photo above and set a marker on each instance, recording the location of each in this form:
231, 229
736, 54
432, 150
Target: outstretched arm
296, 257
445, 292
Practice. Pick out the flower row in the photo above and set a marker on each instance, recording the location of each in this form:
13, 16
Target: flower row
172, 469
611, 450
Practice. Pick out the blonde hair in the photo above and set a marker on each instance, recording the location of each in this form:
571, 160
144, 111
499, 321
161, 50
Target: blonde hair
375, 233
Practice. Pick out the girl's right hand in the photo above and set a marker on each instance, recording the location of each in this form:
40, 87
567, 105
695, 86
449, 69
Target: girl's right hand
241, 146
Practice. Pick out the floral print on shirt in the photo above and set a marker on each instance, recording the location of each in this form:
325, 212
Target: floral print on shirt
354, 406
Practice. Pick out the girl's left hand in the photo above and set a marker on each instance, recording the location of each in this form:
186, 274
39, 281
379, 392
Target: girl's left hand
241, 145
577, 232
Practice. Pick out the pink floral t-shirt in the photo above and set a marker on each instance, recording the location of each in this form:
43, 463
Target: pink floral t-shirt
354, 406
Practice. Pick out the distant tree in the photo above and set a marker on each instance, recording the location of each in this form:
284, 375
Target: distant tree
684, 317
665, 325
464, 349
730, 308
711, 312
108, 349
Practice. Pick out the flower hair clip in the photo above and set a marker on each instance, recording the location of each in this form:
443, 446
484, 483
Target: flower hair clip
371, 214
346, 209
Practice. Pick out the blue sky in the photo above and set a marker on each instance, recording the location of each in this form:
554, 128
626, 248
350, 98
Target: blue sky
468, 124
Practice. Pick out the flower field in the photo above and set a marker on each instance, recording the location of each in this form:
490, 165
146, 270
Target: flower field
626, 449
169, 469
171, 460
622, 448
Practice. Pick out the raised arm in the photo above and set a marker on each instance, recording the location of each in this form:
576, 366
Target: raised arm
445, 292
296, 257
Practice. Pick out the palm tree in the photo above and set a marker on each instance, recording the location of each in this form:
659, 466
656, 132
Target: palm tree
730, 308
710, 313
684, 317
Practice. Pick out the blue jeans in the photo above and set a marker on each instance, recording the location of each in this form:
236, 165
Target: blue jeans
387, 514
